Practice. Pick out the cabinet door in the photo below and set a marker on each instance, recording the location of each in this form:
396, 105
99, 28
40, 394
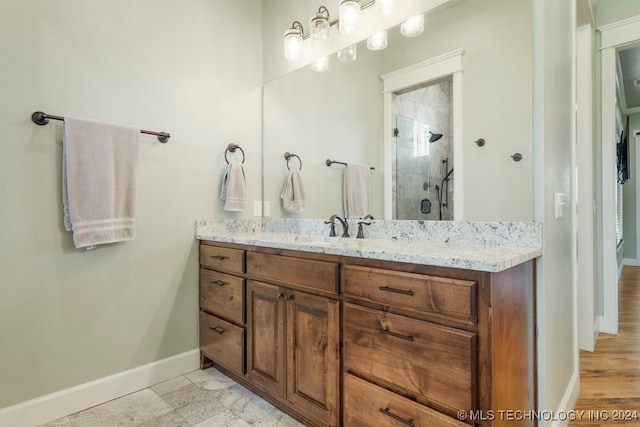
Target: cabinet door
266, 337
313, 356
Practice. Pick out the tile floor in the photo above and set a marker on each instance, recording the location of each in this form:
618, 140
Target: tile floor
200, 398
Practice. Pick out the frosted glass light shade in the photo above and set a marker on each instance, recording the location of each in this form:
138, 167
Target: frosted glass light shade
320, 30
348, 54
377, 41
349, 16
321, 64
293, 42
386, 7
413, 26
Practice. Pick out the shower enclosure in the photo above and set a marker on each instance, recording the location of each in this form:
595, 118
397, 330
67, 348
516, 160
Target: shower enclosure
423, 153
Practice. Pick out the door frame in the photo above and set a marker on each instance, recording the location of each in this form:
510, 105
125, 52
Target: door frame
613, 37
449, 64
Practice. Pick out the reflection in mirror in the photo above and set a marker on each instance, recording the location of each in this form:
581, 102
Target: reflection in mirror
422, 152
333, 115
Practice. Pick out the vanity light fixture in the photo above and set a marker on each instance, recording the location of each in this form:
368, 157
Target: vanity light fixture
293, 41
386, 7
413, 26
348, 54
321, 64
377, 41
320, 29
349, 15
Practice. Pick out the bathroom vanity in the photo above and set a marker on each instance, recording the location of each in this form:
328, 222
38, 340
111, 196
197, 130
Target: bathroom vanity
372, 332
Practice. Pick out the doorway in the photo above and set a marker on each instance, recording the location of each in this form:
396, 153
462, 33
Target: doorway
423, 153
429, 127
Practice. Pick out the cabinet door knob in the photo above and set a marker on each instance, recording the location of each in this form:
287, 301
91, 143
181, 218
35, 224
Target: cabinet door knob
218, 282
219, 257
289, 297
388, 413
280, 294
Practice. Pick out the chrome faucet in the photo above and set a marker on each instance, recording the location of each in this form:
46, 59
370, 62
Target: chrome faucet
345, 226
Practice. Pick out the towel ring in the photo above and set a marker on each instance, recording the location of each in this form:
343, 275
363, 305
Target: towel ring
288, 157
232, 147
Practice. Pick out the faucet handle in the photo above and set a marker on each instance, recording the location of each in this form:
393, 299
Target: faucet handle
332, 231
360, 229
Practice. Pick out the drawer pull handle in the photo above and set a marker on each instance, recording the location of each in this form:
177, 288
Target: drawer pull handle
217, 329
218, 282
388, 413
219, 257
396, 291
396, 335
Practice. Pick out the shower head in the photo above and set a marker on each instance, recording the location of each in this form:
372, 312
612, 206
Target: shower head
434, 136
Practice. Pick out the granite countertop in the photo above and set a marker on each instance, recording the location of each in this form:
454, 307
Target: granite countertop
488, 247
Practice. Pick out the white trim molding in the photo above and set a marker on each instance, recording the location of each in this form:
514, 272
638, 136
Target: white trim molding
448, 64
568, 400
74, 399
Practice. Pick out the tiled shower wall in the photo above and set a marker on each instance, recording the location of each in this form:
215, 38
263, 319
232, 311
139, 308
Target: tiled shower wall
415, 176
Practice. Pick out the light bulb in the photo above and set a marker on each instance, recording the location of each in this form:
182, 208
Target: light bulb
413, 26
349, 16
293, 42
348, 54
385, 7
320, 29
377, 41
321, 64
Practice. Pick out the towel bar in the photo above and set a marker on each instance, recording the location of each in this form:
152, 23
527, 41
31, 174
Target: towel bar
329, 162
42, 119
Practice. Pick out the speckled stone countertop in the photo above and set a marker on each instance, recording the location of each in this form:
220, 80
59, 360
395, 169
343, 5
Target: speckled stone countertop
483, 246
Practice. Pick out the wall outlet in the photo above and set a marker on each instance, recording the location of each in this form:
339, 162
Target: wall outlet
257, 208
267, 208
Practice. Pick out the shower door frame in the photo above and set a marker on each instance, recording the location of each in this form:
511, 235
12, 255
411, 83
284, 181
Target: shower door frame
449, 64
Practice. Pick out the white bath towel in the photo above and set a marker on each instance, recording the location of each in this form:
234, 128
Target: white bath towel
100, 164
234, 188
356, 190
293, 197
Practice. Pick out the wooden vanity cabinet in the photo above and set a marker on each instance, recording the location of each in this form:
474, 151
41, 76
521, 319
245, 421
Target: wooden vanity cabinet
222, 328
293, 349
343, 341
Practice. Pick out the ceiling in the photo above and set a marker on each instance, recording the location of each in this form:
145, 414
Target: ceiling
629, 79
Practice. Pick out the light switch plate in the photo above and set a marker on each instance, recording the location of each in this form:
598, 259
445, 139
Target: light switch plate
257, 208
559, 205
267, 208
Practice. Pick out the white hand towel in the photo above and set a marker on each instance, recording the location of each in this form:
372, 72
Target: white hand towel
293, 197
234, 188
99, 173
356, 190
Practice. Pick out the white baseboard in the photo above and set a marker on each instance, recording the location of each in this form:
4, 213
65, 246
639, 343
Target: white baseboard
74, 399
630, 261
569, 399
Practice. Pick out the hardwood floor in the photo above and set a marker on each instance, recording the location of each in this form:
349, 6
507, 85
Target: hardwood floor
610, 376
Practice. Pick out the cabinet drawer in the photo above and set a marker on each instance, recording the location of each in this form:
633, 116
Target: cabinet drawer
222, 294
306, 273
428, 294
222, 258
426, 360
366, 404
222, 342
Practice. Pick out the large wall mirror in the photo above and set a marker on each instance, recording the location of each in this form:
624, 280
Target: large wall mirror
340, 115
